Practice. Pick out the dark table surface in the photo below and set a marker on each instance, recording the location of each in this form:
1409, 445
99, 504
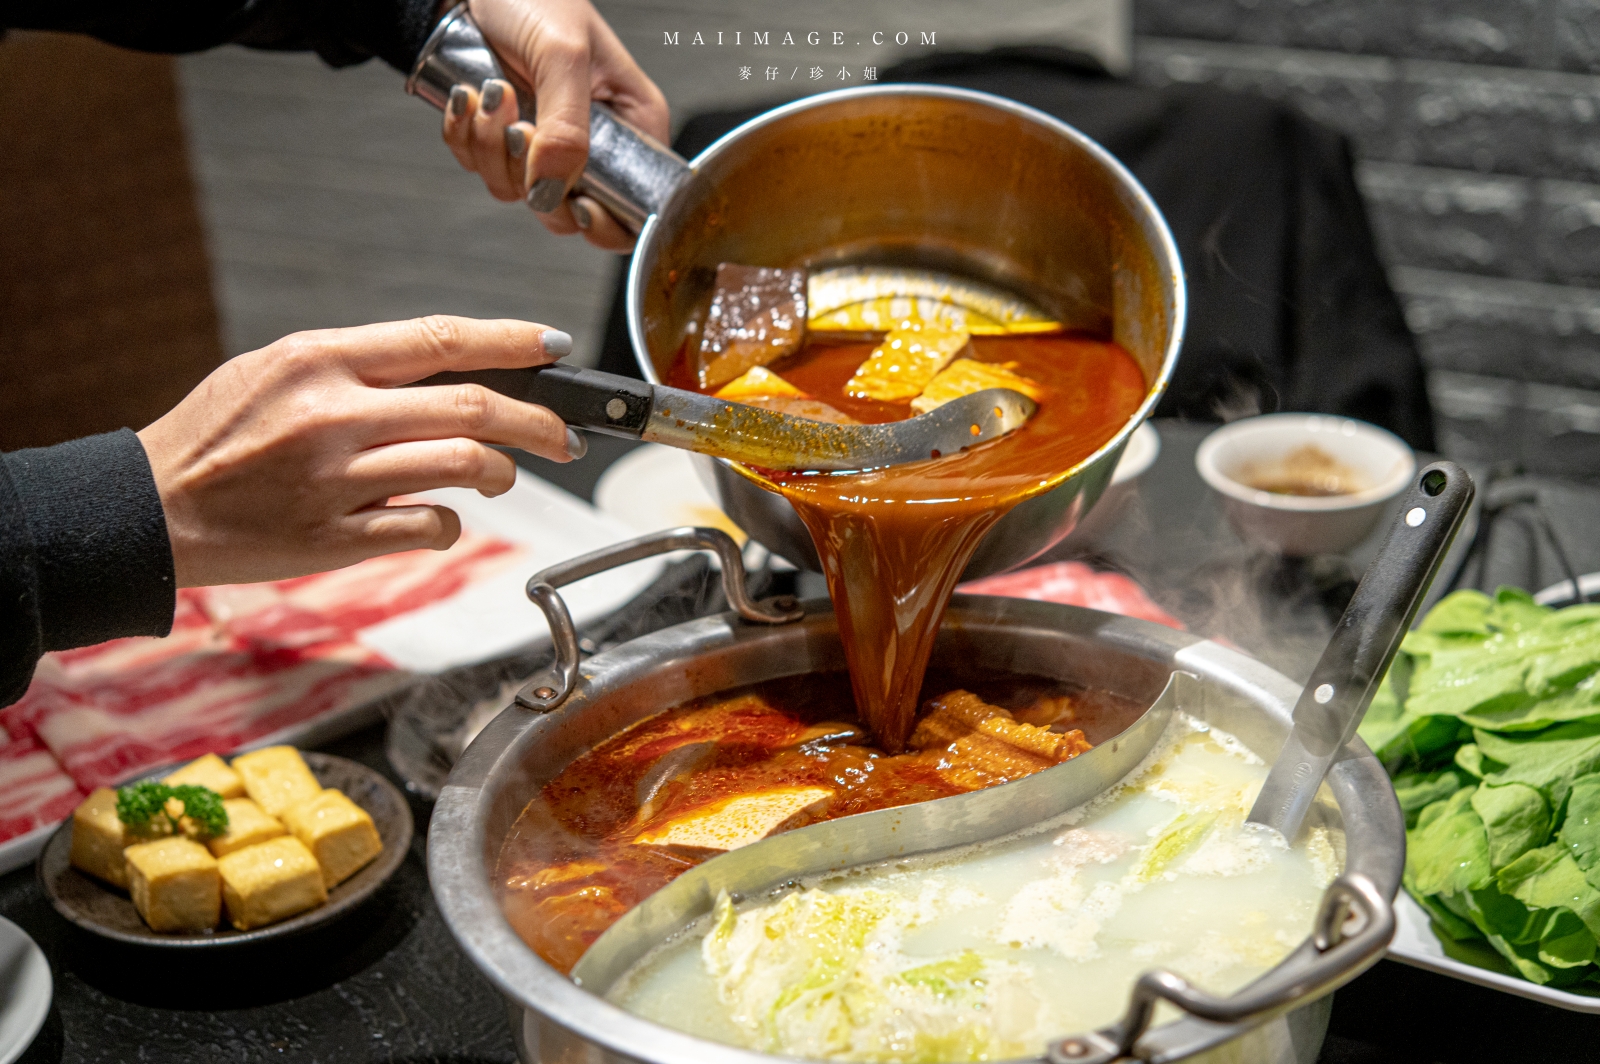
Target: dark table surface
388, 984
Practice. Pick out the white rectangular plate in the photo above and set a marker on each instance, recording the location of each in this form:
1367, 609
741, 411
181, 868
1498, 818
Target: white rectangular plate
1416, 944
484, 620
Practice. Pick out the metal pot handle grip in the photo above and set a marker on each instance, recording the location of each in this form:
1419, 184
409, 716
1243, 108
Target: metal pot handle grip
551, 687
1336, 959
629, 172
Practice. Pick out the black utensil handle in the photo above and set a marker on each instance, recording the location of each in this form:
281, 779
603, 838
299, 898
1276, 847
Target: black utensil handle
1382, 609
583, 398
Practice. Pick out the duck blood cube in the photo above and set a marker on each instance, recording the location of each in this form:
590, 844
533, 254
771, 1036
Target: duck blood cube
276, 777
174, 884
270, 881
337, 831
212, 772
247, 825
758, 315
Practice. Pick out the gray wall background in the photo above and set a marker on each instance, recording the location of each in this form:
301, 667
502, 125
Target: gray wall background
330, 200
1478, 126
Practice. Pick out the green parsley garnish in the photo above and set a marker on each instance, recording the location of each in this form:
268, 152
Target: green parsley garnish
144, 804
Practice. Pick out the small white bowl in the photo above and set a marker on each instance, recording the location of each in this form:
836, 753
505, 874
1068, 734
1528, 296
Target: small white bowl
1302, 525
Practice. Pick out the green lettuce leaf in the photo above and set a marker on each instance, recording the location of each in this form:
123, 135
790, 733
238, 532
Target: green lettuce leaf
1417, 790
1580, 831
1448, 853
1548, 878
1578, 703
1464, 612
1444, 918
1549, 761
1494, 913
1514, 610
1515, 819
1566, 942
1470, 760
1533, 653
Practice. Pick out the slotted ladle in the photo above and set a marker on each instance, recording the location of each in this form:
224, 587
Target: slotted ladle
622, 406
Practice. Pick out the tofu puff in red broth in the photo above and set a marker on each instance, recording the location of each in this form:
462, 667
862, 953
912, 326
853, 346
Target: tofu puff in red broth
680, 787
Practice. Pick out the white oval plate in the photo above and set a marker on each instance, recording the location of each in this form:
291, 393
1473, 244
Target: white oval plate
25, 990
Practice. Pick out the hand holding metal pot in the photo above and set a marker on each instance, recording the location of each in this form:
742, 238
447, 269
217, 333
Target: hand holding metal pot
921, 175
532, 143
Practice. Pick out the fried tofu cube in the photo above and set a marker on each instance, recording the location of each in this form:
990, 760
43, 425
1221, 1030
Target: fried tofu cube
758, 315
730, 823
175, 884
338, 832
212, 772
908, 359
276, 777
758, 383
270, 881
98, 838
965, 376
247, 825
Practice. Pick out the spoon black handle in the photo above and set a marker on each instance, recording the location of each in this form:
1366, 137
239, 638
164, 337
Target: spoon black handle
1364, 642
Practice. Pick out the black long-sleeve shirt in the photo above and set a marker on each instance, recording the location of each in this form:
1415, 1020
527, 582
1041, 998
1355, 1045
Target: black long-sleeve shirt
342, 32
84, 554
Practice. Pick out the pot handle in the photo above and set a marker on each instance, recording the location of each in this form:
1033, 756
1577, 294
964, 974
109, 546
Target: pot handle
548, 689
629, 172
1336, 959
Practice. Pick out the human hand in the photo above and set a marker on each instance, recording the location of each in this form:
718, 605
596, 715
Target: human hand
565, 50
283, 460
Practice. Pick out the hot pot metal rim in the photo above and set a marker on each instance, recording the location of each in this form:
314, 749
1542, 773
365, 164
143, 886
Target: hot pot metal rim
458, 855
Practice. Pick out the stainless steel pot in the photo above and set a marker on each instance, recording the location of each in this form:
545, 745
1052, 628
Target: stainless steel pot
1279, 1018
887, 175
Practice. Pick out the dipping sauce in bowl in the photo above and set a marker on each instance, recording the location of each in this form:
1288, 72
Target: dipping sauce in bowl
1308, 470
1304, 484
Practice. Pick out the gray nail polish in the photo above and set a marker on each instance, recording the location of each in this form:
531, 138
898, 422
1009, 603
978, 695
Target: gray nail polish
580, 214
459, 98
577, 446
516, 142
546, 194
557, 344
490, 96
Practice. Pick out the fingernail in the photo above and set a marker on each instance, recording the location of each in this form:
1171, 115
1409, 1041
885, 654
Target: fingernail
577, 446
580, 214
491, 94
546, 194
459, 98
557, 344
516, 142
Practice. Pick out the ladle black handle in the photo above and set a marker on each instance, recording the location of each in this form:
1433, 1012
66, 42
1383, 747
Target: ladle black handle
584, 398
1364, 643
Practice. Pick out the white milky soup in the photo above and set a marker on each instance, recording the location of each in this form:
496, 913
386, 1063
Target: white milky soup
990, 952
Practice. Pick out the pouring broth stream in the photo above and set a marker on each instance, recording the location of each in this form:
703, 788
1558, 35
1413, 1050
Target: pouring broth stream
893, 542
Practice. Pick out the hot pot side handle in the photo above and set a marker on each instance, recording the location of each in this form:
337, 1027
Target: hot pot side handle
1336, 957
629, 172
551, 687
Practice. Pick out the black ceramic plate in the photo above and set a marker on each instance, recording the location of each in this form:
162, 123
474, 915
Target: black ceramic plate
95, 906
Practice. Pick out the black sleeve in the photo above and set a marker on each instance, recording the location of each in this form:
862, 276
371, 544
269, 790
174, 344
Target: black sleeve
342, 32
84, 554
